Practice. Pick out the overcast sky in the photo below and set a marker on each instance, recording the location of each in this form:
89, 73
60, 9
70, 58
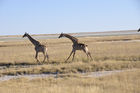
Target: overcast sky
56, 16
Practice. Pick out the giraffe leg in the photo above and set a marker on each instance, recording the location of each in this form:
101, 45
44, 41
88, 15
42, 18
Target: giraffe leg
87, 53
69, 55
47, 56
90, 55
73, 55
44, 56
36, 56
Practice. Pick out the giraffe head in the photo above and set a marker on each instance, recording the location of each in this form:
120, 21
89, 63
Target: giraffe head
61, 35
26, 34
139, 30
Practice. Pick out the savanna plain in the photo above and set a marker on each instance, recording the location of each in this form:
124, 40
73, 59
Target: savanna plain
109, 53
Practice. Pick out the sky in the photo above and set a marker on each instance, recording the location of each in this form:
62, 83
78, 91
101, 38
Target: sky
69, 16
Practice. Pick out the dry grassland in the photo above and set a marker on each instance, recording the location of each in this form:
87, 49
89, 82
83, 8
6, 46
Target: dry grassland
109, 53
123, 82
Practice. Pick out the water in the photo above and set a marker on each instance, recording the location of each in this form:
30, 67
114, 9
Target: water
84, 75
101, 73
8, 77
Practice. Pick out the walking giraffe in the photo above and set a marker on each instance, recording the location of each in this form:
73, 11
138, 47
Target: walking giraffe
76, 46
38, 47
138, 29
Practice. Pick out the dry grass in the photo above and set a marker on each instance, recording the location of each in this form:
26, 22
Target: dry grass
101, 48
123, 82
74, 67
18, 58
107, 55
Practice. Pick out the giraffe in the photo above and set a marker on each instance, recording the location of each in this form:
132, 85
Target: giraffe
138, 29
76, 46
38, 47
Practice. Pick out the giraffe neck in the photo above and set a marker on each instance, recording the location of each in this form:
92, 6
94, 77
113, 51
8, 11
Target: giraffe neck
73, 39
33, 41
